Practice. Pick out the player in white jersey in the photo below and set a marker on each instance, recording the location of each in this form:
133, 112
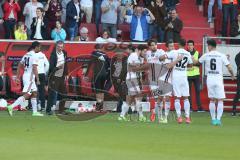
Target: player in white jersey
135, 60
214, 62
29, 62
180, 81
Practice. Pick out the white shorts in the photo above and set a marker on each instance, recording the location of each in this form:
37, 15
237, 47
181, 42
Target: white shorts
133, 87
29, 86
215, 88
180, 87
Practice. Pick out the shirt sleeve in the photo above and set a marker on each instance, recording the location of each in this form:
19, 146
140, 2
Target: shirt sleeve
35, 59
225, 60
22, 60
202, 58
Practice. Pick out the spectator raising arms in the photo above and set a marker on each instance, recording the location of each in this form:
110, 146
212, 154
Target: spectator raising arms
58, 33
109, 16
173, 27
10, 8
73, 18
39, 26
53, 10
29, 12
20, 33
139, 23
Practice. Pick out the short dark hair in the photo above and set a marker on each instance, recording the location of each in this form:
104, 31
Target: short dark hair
35, 44
131, 47
182, 42
211, 42
152, 41
190, 41
168, 42
41, 9
59, 42
141, 47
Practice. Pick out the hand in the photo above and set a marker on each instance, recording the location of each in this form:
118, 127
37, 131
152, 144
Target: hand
38, 82
17, 80
233, 77
152, 3
160, 4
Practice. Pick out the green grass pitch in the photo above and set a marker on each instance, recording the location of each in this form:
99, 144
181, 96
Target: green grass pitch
24, 137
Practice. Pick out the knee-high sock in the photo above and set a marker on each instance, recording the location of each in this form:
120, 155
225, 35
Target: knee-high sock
167, 108
219, 110
19, 101
177, 107
139, 108
125, 108
212, 109
34, 104
187, 108
160, 108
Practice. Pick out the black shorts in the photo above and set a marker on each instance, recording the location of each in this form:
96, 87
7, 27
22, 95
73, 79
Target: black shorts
99, 83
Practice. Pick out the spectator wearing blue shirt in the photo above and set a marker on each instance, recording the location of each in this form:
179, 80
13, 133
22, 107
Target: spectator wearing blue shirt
58, 33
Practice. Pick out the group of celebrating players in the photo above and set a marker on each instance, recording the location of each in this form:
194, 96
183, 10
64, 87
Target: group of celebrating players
166, 75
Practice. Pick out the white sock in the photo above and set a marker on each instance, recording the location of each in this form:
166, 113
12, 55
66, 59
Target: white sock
219, 110
139, 108
34, 104
187, 108
160, 108
177, 107
125, 108
212, 109
19, 101
167, 108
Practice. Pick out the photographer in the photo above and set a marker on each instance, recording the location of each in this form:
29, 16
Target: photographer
139, 23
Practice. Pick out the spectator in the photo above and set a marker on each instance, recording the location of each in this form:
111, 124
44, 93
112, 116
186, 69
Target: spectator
20, 32
173, 27
10, 9
210, 7
194, 76
97, 7
158, 9
171, 4
83, 35
29, 12
105, 38
1, 11
58, 33
87, 8
109, 16
229, 9
125, 5
139, 23
57, 73
64, 8
53, 10
39, 26
235, 31
73, 18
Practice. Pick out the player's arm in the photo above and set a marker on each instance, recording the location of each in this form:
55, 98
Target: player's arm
140, 68
230, 70
35, 72
172, 64
20, 66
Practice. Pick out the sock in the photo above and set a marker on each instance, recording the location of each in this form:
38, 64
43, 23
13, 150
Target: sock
219, 110
177, 107
187, 108
125, 108
212, 109
34, 104
139, 108
167, 108
156, 108
19, 101
160, 108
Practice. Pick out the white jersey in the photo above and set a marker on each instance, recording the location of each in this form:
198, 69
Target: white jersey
153, 57
167, 77
43, 64
214, 62
133, 60
180, 69
28, 60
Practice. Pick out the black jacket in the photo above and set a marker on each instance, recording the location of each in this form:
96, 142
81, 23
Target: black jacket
53, 63
237, 61
71, 12
43, 28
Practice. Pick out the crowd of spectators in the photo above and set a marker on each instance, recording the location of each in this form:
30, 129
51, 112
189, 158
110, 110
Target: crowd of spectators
62, 19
